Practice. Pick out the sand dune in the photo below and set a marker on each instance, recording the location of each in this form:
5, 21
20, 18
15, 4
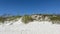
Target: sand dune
35, 27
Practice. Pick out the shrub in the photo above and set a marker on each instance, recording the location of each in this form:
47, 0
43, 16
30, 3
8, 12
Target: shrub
13, 18
55, 20
2, 19
26, 19
8, 18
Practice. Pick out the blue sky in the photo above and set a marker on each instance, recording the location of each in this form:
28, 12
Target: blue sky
29, 7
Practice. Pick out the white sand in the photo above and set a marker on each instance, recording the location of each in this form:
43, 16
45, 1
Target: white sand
43, 27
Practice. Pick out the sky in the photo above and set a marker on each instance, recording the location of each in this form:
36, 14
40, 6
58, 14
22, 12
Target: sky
22, 7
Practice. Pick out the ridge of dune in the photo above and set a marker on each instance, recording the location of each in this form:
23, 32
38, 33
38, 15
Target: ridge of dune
35, 27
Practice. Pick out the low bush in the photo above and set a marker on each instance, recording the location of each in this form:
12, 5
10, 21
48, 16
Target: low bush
9, 18
26, 19
55, 20
13, 18
2, 19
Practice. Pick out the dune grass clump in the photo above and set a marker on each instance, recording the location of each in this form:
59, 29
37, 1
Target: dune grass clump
55, 20
8, 18
26, 19
13, 18
2, 19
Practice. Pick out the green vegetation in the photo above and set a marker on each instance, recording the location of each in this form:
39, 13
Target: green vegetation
55, 19
26, 19
8, 18
13, 18
2, 19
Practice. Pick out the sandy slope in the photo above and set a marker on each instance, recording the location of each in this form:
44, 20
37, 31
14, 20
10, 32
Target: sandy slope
43, 27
